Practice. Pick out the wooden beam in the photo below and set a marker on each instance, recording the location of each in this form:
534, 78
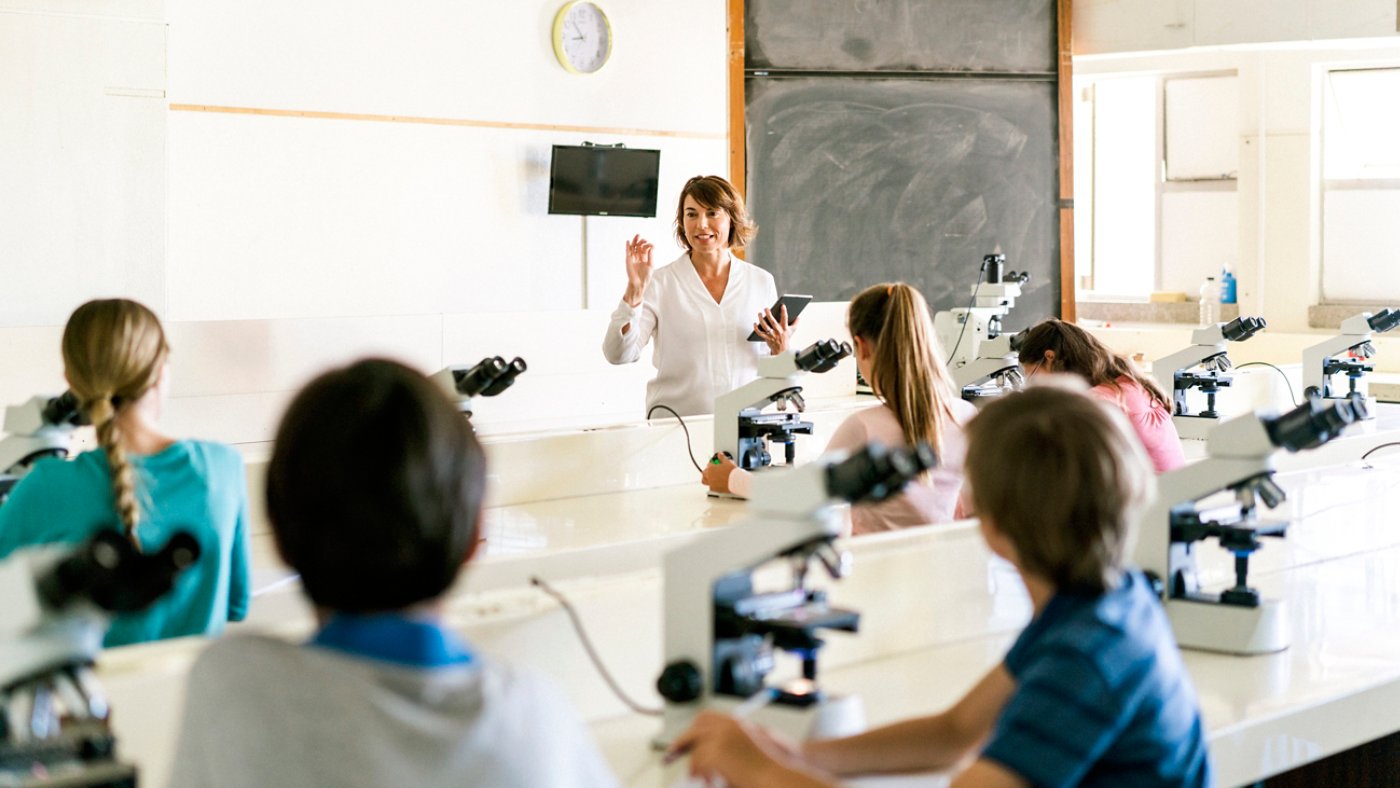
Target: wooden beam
1065, 31
737, 127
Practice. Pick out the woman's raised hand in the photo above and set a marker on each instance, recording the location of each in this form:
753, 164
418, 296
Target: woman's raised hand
775, 329
638, 269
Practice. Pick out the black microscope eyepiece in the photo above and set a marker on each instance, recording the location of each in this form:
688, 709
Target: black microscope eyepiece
1242, 328
64, 409
822, 355
1018, 339
992, 267
1313, 423
1384, 320
503, 381
110, 572
876, 473
472, 381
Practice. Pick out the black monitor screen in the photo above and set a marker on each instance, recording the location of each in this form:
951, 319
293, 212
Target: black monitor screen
603, 181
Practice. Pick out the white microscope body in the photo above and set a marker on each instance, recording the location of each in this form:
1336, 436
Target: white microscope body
40, 427
1202, 365
486, 378
981, 357
1321, 361
744, 431
720, 634
56, 603
1240, 461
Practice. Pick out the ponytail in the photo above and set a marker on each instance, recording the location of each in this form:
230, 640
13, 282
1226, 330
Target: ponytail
113, 353
907, 372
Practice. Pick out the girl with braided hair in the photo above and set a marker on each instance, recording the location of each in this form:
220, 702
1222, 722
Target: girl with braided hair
139, 481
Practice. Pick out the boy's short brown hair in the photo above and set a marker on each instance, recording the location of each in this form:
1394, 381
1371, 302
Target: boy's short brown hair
1063, 477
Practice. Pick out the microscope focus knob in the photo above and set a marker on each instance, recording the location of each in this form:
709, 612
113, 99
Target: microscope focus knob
680, 682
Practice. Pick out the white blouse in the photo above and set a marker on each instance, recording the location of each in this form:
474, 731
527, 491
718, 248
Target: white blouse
702, 348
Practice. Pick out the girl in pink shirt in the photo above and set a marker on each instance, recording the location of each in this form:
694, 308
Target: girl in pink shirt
896, 351
1057, 346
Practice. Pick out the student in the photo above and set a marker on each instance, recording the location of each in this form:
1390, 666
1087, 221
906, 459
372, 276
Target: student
895, 351
1093, 692
1057, 346
374, 491
140, 481
700, 309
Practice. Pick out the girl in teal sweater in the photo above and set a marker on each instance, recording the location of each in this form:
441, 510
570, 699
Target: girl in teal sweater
140, 481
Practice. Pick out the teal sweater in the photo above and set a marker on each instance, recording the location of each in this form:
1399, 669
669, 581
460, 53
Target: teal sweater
192, 485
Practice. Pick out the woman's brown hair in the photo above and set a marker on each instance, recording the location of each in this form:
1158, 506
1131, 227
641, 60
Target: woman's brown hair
113, 353
714, 192
907, 371
1081, 353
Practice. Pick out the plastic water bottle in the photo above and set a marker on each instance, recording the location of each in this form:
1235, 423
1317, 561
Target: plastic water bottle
1210, 302
1227, 286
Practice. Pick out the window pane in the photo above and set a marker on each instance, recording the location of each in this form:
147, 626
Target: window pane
1125, 185
1361, 123
1360, 245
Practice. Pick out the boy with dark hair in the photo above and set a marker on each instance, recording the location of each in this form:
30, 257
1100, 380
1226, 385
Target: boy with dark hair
1093, 692
374, 492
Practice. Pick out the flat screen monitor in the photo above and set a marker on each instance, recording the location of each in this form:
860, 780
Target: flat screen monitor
595, 181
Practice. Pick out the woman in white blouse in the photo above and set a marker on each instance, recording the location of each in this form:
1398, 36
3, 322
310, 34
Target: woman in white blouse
699, 309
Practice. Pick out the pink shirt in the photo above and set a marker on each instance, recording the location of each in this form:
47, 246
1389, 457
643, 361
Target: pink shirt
931, 500
1151, 421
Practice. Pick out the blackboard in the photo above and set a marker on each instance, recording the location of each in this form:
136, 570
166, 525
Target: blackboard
855, 181
921, 35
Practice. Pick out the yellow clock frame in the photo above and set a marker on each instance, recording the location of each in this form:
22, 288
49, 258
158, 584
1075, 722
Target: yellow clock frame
558, 36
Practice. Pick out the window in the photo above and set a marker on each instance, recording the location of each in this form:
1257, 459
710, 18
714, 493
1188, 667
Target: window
1360, 186
1156, 158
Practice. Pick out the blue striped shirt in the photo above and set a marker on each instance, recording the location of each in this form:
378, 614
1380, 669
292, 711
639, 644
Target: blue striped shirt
1102, 697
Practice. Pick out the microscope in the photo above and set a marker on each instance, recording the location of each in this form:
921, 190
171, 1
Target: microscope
486, 378
1348, 352
745, 432
1202, 366
53, 715
981, 357
1186, 511
40, 427
720, 633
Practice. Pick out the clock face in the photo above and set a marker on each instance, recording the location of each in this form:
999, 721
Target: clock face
582, 37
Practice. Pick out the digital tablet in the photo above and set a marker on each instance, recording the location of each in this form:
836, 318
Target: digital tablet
794, 303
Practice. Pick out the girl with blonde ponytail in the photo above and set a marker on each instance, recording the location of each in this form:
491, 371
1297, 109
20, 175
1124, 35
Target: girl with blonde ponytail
139, 481
895, 351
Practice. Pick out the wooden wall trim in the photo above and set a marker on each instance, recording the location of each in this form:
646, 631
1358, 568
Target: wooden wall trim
737, 126
1065, 31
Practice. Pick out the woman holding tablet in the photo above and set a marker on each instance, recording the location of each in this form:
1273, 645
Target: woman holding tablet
701, 308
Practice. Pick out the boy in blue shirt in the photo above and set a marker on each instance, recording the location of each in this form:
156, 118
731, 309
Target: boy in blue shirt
1093, 692
374, 492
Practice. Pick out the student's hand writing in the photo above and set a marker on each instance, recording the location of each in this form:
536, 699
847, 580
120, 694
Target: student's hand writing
638, 269
716, 473
775, 329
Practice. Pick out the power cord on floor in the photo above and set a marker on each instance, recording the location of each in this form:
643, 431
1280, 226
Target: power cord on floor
588, 647
688, 449
1286, 381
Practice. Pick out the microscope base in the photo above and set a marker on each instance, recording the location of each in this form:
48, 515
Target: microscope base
1195, 426
1229, 629
833, 717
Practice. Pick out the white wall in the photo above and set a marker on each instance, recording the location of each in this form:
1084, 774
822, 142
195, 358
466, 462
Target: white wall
394, 202
1107, 26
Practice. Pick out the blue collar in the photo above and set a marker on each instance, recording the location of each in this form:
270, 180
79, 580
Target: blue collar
390, 637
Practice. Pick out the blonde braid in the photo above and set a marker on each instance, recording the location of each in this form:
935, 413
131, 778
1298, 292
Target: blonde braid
104, 416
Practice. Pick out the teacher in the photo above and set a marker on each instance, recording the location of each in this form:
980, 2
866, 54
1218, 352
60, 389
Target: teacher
700, 308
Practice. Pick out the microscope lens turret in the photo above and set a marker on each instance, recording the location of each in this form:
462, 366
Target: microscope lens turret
1384, 320
1242, 328
1313, 423
876, 473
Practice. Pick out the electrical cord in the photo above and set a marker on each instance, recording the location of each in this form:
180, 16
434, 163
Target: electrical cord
981, 273
688, 449
1286, 381
588, 647
1377, 448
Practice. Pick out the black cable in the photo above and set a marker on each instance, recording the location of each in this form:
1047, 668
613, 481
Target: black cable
688, 449
1375, 449
981, 274
1286, 381
588, 647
